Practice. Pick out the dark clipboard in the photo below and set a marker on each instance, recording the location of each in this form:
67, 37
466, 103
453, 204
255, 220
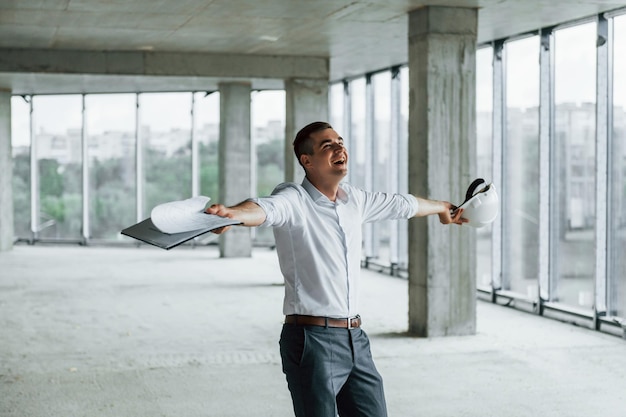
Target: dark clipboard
147, 232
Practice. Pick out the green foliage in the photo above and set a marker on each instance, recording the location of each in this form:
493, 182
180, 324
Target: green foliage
112, 187
21, 195
112, 190
271, 153
209, 170
21, 167
53, 207
268, 177
167, 179
270, 166
50, 178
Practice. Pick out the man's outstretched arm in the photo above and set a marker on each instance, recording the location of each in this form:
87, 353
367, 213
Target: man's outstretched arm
248, 212
446, 211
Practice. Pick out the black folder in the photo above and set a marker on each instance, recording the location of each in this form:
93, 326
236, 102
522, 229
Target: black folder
147, 232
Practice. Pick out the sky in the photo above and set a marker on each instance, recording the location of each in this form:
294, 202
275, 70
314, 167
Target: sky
162, 111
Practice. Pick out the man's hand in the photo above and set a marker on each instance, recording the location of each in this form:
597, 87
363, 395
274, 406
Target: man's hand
448, 213
222, 211
248, 212
452, 215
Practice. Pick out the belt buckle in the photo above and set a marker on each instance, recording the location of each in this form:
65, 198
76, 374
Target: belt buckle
350, 322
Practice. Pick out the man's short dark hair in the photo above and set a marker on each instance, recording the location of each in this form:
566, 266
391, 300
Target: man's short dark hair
302, 144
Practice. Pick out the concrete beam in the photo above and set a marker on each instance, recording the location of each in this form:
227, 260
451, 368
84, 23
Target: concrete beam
45, 61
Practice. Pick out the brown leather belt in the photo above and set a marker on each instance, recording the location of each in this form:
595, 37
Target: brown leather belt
347, 323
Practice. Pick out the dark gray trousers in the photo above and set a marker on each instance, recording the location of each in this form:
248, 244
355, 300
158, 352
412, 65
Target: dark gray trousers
330, 371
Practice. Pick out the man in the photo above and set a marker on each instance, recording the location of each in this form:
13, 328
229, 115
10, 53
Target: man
317, 227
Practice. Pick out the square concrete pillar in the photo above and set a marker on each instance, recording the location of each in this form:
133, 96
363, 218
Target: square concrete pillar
442, 160
6, 173
306, 102
235, 162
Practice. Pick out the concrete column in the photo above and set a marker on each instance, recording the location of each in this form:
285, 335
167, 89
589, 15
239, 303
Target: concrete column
307, 102
442, 160
6, 173
235, 162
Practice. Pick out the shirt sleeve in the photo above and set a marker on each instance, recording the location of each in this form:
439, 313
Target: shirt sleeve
281, 207
384, 206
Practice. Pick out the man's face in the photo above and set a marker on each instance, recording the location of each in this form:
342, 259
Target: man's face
330, 157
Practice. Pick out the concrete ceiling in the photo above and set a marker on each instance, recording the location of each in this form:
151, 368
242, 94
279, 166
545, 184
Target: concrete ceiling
355, 36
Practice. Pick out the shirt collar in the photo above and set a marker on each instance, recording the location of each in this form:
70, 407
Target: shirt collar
318, 197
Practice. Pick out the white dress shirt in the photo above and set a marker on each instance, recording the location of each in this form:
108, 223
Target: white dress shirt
319, 242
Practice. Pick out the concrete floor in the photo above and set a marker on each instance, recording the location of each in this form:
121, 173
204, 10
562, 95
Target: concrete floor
146, 332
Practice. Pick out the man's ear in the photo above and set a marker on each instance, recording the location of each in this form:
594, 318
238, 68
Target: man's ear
305, 160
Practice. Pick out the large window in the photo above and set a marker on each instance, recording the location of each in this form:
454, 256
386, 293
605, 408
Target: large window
358, 146
617, 179
206, 127
20, 142
165, 135
268, 123
268, 137
484, 155
403, 165
336, 107
58, 149
359, 150
520, 190
110, 121
140, 150
382, 168
573, 161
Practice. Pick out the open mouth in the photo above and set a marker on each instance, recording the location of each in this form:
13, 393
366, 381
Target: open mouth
339, 162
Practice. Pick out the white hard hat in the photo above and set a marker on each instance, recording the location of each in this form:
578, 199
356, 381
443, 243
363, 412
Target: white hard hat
481, 203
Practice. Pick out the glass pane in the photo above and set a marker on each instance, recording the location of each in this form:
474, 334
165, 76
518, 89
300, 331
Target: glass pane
268, 127
357, 149
110, 126
207, 131
403, 166
484, 137
381, 84
356, 153
574, 164
57, 126
617, 213
20, 142
336, 107
166, 133
520, 188
268, 122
